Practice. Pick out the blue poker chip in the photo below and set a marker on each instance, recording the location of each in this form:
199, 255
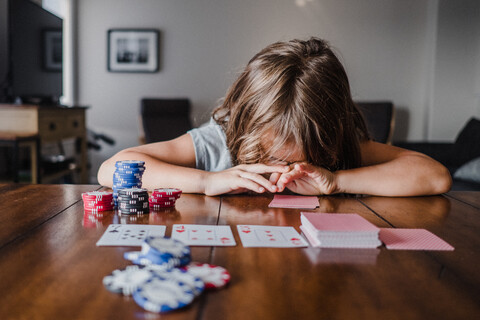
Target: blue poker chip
137, 171
129, 163
127, 185
165, 246
161, 294
195, 283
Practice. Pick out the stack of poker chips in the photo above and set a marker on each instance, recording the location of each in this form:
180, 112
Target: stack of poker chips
97, 201
128, 174
94, 204
156, 285
164, 198
133, 201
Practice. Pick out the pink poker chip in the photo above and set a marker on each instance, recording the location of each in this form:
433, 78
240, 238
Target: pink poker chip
213, 276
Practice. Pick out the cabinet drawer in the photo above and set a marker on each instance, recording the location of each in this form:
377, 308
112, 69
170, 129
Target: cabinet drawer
62, 125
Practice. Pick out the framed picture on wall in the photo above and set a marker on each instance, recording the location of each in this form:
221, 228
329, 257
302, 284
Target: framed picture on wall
52, 50
133, 50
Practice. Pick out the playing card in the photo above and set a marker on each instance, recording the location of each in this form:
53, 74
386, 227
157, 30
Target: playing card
203, 235
294, 202
412, 239
270, 236
129, 234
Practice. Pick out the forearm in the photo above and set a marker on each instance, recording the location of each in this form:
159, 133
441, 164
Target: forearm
158, 174
411, 175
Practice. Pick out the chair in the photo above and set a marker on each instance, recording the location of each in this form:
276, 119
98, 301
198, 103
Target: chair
380, 119
164, 119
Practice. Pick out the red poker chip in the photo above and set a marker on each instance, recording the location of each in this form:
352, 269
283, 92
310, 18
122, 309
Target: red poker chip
167, 192
213, 276
98, 208
89, 203
97, 196
162, 205
161, 199
160, 202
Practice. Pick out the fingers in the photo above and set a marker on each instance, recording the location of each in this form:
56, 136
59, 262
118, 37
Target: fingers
288, 177
274, 177
260, 180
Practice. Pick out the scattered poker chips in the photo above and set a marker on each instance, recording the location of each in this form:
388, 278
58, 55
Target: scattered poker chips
164, 198
127, 175
133, 201
159, 287
97, 201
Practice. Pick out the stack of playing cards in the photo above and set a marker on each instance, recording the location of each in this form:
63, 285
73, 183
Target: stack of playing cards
339, 230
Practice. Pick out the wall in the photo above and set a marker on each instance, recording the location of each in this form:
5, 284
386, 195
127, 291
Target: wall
457, 68
388, 47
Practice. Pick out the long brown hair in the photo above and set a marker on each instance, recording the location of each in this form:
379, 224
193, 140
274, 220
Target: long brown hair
295, 92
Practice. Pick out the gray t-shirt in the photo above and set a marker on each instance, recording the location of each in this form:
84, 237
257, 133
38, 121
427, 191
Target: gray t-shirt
210, 143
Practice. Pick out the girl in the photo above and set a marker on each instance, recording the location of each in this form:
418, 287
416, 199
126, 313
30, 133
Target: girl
288, 122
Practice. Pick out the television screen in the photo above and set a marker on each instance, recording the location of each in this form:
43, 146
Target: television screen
35, 50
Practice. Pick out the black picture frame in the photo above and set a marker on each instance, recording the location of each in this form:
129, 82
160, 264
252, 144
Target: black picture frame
52, 50
133, 50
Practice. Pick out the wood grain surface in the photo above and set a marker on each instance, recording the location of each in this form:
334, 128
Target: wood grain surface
50, 267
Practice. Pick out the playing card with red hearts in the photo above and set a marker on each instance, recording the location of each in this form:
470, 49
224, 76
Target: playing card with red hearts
270, 236
203, 235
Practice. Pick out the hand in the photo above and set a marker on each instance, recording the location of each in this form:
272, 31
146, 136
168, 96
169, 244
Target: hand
242, 178
306, 179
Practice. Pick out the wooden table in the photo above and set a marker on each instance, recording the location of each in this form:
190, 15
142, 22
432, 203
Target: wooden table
50, 267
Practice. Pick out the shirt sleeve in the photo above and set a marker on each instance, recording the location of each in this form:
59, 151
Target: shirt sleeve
210, 144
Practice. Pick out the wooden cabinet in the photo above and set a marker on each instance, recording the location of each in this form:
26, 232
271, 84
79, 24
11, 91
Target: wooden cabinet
52, 124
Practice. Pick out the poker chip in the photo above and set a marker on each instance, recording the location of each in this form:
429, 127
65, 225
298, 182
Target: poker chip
166, 192
161, 294
126, 281
213, 276
161, 200
165, 252
195, 283
96, 201
165, 246
129, 164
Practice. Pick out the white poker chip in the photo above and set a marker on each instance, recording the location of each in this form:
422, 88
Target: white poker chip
154, 262
126, 281
213, 276
161, 294
195, 283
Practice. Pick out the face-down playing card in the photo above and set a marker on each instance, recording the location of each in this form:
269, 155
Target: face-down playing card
412, 239
294, 202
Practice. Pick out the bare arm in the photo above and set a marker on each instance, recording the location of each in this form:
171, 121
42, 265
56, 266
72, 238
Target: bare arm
391, 171
172, 164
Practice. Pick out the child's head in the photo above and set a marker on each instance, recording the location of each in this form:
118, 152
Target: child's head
293, 103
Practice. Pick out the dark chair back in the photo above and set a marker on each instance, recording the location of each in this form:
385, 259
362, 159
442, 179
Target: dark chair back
165, 119
380, 119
